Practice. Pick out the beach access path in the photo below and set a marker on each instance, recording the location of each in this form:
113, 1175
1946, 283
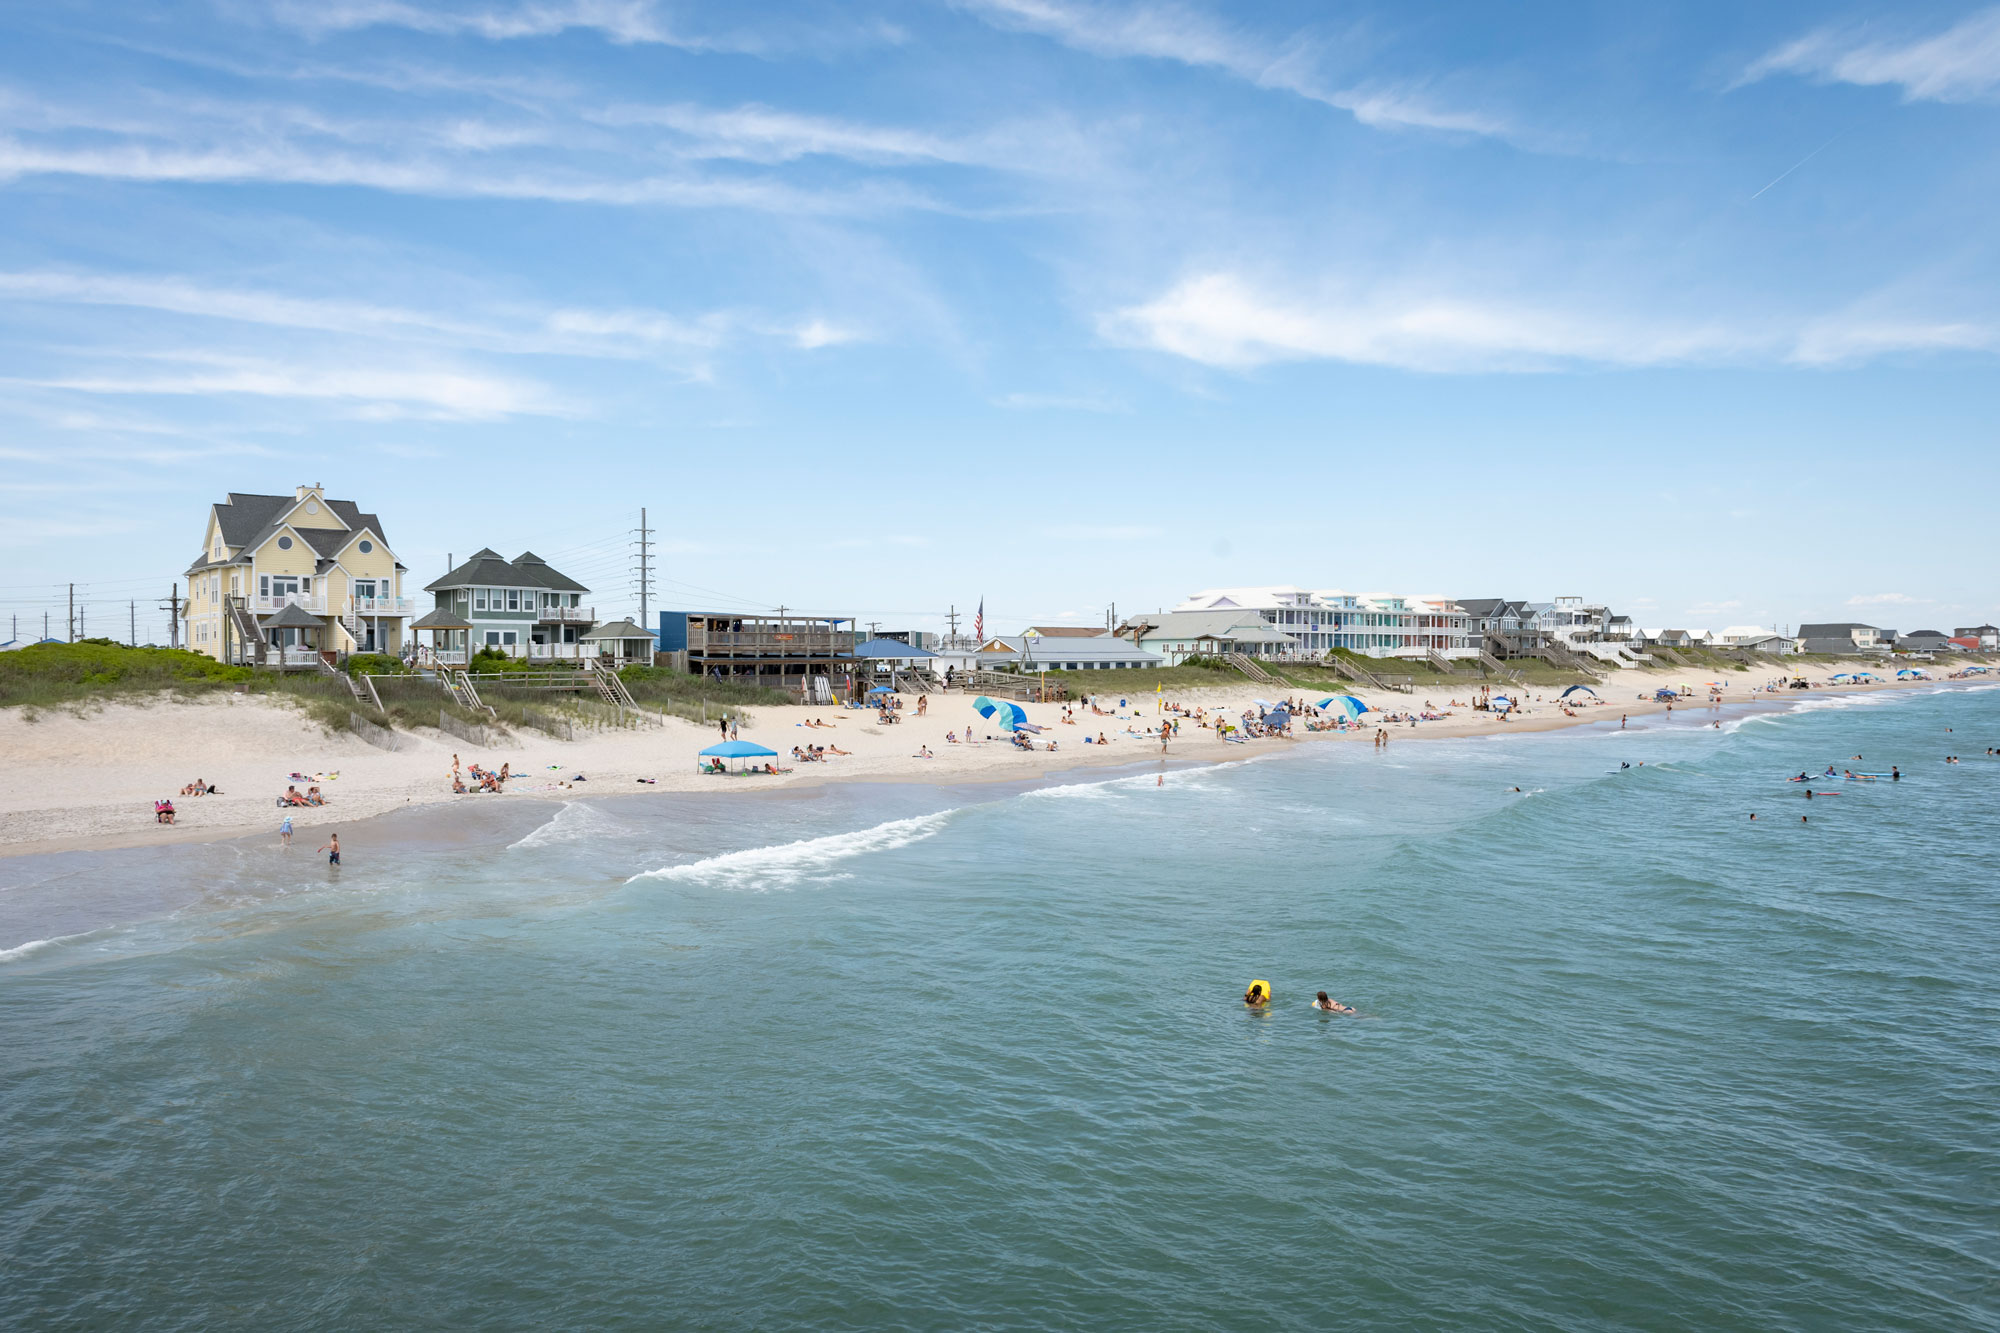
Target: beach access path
87, 776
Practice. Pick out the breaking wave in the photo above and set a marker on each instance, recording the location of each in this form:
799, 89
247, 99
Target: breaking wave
786, 864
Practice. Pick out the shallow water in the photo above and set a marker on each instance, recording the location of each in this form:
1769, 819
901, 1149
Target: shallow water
887, 1057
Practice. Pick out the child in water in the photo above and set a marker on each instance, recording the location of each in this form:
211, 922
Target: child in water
1330, 1006
1256, 997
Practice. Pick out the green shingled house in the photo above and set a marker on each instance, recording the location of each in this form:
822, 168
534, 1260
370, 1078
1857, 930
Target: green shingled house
521, 607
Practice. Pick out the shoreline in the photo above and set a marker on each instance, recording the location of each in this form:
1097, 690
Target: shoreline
124, 745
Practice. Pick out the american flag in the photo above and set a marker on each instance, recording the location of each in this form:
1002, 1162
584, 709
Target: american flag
979, 622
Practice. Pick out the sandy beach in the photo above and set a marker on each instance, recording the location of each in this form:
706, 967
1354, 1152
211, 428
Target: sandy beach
88, 777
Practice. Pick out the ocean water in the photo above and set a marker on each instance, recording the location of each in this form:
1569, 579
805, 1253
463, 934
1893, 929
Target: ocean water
914, 1058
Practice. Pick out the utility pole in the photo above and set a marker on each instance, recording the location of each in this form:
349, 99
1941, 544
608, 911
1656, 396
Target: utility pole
72, 613
645, 544
172, 606
951, 619
132, 611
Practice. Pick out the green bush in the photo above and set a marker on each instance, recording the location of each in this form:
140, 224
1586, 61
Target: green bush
375, 664
56, 673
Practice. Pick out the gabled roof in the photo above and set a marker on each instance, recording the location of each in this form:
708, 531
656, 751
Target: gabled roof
247, 521
440, 619
488, 569
1833, 630
1239, 626
617, 629
293, 616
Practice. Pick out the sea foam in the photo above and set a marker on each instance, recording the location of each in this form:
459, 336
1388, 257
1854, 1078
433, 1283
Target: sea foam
786, 864
574, 822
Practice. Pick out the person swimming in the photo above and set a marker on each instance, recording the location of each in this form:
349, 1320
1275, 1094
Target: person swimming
1256, 997
1330, 1006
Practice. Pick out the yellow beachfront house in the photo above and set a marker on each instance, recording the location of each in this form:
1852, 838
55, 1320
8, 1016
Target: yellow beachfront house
283, 579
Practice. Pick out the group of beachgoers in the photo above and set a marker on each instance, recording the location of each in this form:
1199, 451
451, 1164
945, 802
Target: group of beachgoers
199, 787
1258, 996
294, 797
817, 754
481, 779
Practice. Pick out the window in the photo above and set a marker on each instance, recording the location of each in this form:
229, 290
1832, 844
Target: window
509, 638
284, 543
479, 599
493, 638
263, 585
367, 547
513, 599
312, 507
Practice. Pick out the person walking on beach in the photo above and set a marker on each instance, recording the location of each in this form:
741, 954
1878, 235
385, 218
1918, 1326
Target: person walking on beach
285, 832
722, 724
332, 849
734, 725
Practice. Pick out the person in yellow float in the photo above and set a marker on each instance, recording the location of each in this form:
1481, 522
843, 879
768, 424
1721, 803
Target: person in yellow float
1258, 995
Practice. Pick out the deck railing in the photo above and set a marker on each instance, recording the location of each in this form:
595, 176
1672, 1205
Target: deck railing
266, 604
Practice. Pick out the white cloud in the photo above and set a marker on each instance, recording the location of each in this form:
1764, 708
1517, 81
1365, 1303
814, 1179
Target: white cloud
290, 163
375, 393
626, 22
1220, 320
1056, 402
1887, 599
1107, 532
563, 331
1189, 37
1960, 64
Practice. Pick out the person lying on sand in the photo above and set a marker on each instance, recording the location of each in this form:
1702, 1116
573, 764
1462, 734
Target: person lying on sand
835, 749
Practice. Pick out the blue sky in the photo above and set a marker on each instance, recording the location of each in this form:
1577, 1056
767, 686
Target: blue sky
886, 308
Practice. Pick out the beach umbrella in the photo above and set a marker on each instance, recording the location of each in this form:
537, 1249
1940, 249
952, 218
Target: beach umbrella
1501, 702
984, 706
1345, 704
1263, 703
1009, 717
881, 689
1583, 689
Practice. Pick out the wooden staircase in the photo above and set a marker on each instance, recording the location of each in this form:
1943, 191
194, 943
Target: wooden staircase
1248, 666
1494, 666
1348, 670
1445, 664
249, 634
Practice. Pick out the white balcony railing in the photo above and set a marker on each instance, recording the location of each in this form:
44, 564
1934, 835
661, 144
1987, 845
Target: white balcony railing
385, 606
570, 615
265, 605
558, 652
300, 656
442, 657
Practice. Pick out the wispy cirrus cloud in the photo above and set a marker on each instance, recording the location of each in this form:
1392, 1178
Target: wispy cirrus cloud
1887, 599
1960, 64
1219, 319
379, 392
1191, 37
627, 22
298, 164
623, 334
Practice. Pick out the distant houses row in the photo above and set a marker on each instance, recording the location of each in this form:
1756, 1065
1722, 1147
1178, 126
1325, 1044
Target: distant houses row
293, 580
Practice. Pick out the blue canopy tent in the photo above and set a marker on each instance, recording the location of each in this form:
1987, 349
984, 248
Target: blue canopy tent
728, 750
1500, 702
881, 689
